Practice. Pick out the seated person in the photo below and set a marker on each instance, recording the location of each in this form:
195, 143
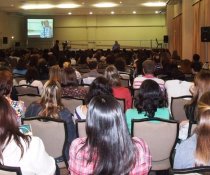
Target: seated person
70, 85
100, 86
50, 105
112, 75
93, 66
149, 103
19, 150
6, 84
195, 150
31, 78
148, 71
108, 147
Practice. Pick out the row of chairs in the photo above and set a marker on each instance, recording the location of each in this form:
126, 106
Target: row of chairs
177, 103
161, 138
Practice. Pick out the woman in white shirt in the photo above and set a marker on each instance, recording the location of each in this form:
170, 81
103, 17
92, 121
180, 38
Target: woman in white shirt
19, 150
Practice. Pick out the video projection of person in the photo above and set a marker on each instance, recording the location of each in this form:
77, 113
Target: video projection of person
46, 31
40, 28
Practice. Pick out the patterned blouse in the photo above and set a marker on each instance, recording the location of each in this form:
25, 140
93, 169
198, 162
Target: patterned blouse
77, 92
78, 158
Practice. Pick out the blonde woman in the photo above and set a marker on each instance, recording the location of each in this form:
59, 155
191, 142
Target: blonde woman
50, 105
195, 150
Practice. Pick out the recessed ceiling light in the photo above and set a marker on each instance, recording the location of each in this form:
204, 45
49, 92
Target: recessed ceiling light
105, 4
112, 12
90, 13
120, 2
154, 4
69, 13
12, 5
66, 6
37, 6
134, 12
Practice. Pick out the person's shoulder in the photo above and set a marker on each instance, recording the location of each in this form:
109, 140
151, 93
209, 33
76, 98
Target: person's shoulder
131, 112
78, 143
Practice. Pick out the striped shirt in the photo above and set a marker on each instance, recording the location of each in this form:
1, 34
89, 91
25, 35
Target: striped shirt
139, 80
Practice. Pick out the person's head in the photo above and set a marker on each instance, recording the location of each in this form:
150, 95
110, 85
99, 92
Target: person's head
202, 153
196, 57
9, 127
31, 75
55, 73
112, 75
120, 64
93, 65
6, 82
107, 135
202, 83
51, 99
148, 67
150, 98
69, 77
100, 86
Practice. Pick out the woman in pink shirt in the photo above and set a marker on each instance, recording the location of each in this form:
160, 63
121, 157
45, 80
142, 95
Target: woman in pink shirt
108, 148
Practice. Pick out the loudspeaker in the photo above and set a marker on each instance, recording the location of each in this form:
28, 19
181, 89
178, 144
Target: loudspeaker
165, 38
5, 40
205, 34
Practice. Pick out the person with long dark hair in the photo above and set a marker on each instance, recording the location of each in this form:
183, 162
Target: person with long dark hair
108, 148
17, 149
149, 103
100, 86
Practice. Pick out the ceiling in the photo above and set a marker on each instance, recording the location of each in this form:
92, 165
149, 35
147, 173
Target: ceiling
86, 6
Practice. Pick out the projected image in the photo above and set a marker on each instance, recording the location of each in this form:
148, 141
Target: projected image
40, 28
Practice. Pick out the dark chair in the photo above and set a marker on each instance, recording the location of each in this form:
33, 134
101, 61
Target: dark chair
161, 136
80, 128
28, 98
8, 170
177, 107
204, 170
71, 102
27, 89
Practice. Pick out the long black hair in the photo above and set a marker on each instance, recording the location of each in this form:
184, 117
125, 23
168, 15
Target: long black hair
108, 137
150, 98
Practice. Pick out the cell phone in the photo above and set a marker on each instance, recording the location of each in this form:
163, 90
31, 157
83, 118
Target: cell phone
26, 129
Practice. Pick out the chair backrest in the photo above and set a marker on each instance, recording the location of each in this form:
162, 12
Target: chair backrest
204, 170
191, 129
28, 98
124, 82
53, 133
160, 135
80, 128
177, 107
71, 103
122, 103
135, 92
8, 170
27, 89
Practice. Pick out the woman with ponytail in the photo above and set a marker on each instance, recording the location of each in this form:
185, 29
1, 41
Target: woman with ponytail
195, 151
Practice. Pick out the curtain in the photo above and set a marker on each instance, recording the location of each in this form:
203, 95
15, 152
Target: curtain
201, 17
177, 34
